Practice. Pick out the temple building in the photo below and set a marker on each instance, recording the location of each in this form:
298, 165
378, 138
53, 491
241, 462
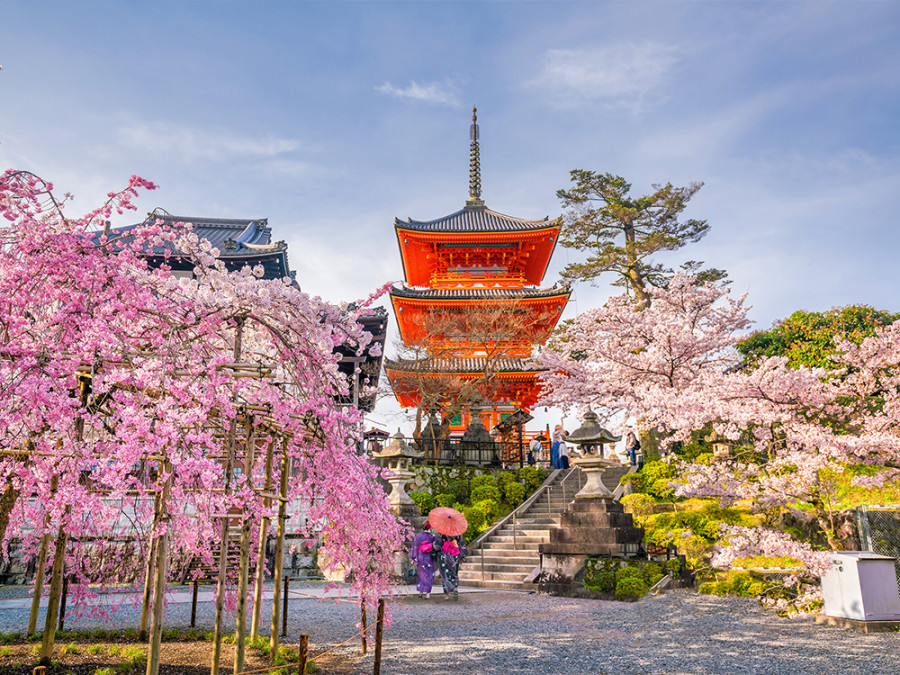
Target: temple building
244, 241
471, 307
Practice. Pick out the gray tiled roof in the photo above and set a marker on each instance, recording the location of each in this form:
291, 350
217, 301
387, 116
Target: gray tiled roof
232, 236
478, 293
474, 219
471, 365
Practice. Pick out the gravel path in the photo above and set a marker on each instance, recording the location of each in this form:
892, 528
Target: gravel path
511, 633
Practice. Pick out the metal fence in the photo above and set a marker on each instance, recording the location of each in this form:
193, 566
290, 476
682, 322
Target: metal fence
879, 531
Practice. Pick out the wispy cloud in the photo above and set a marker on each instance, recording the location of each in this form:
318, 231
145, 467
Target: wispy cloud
192, 145
444, 92
627, 75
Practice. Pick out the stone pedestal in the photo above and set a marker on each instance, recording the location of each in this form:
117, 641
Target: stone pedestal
593, 467
590, 526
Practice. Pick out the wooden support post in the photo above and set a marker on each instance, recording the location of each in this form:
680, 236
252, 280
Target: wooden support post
143, 631
304, 654
59, 561
379, 631
240, 629
194, 603
261, 550
279, 549
159, 589
39, 574
363, 619
161, 568
62, 603
287, 590
223, 541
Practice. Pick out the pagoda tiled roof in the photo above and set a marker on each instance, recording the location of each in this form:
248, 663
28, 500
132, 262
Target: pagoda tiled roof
465, 365
474, 219
403, 291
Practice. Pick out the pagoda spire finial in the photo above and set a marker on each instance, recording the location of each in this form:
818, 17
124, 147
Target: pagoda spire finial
474, 199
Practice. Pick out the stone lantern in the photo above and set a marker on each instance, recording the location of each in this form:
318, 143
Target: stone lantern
396, 457
590, 439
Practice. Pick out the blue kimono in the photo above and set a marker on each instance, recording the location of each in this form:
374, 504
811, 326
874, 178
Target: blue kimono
424, 560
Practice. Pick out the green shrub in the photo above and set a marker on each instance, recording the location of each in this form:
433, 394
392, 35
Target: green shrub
423, 500
506, 477
629, 571
639, 505
652, 570
487, 509
5, 651
445, 499
661, 489
533, 476
743, 584
600, 574
114, 650
630, 587
104, 671
486, 492
93, 650
70, 648
482, 479
673, 565
514, 493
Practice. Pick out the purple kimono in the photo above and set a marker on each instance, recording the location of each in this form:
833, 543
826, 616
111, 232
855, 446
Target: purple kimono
424, 560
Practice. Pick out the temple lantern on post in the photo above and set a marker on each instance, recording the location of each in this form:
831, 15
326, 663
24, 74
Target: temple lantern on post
590, 438
396, 457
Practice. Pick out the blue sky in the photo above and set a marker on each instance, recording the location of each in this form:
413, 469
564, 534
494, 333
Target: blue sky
330, 119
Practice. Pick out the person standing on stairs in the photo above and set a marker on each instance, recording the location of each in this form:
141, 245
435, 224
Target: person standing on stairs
563, 452
554, 448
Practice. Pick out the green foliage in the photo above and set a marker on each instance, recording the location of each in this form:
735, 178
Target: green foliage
653, 571
104, 671
5, 651
600, 574
807, 338
483, 479
743, 584
514, 493
423, 500
113, 650
621, 232
486, 492
70, 648
446, 499
506, 477
630, 587
673, 565
534, 477
639, 505
93, 650
628, 571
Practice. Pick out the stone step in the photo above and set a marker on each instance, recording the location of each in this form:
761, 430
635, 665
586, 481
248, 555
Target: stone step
505, 585
492, 576
508, 546
507, 537
512, 569
475, 559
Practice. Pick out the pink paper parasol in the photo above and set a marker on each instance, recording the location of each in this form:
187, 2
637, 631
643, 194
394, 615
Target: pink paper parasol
447, 521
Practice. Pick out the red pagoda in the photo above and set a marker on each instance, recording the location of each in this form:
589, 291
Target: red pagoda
470, 264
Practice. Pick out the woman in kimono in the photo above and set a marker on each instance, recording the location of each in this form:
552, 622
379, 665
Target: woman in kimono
451, 552
423, 552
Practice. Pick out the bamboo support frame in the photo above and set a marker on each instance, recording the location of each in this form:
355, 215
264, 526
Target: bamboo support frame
240, 631
261, 550
279, 549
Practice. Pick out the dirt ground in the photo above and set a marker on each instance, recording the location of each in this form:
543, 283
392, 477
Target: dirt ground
176, 658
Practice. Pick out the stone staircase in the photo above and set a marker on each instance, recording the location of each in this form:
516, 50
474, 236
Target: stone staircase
506, 555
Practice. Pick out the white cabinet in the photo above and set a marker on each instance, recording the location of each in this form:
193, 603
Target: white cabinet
861, 585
